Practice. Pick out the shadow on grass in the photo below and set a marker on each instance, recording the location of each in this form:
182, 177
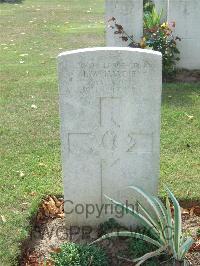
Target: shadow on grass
180, 94
11, 1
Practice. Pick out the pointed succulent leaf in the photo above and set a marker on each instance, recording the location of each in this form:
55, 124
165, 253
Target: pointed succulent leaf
129, 234
185, 247
137, 215
177, 221
149, 199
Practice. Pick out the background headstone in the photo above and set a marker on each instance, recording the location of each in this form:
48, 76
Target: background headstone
186, 15
110, 126
129, 14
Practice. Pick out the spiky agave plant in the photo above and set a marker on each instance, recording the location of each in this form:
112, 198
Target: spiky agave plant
166, 230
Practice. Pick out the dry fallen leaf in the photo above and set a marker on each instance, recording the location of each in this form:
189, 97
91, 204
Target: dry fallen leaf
61, 215
197, 210
195, 247
90, 10
51, 207
57, 202
33, 193
31, 259
22, 55
55, 249
33, 106
49, 263
172, 210
185, 212
192, 211
190, 117
45, 210
3, 218
21, 174
42, 164
25, 203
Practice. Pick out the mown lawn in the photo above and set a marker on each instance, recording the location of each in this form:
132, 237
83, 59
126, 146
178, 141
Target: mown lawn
32, 34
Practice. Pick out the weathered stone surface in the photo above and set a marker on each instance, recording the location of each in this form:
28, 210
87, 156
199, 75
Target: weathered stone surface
129, 14
110, 127
186, 15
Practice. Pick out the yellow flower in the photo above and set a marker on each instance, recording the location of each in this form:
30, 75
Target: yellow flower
143, 43
165, 25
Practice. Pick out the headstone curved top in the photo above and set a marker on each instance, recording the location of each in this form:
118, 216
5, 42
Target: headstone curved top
110, 126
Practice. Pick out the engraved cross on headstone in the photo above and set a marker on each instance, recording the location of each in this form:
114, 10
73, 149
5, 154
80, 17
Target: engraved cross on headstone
107, 139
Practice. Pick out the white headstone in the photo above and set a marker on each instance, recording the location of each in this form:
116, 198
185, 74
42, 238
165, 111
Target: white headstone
186, 15
162, 6
110, 127
129, 14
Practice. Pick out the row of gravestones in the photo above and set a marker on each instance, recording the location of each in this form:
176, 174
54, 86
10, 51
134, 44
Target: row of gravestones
110, 100
184, 12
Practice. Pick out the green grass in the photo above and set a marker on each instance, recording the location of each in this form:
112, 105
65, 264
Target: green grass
30, 145
180, 145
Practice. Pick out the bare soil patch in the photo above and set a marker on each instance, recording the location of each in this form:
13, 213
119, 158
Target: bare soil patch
190, 76
49, 232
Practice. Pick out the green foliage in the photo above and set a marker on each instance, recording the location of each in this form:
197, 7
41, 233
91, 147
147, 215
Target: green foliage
160, 38
108, 226
152, 19
157, 36
158, 220
139, 247
79, 255
148, 5
198, 232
